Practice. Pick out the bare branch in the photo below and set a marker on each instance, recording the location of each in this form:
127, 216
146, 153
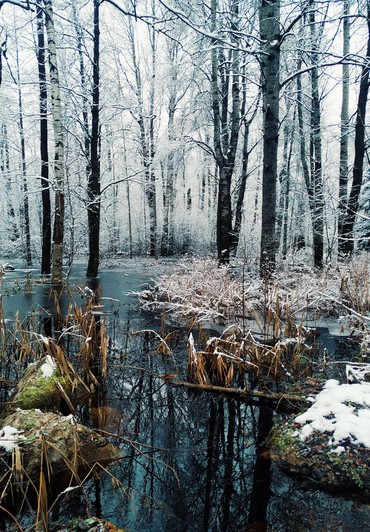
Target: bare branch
24, 5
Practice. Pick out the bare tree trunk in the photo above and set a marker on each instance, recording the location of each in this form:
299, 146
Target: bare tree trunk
58, 232
169, 173
85, 109
344, 130
6, 170
93, 186
25, 205
44, 154
128, 193
146, 122
270, 64
284, 180
244, 171
225, 128
358, 165
315, 151
151, 186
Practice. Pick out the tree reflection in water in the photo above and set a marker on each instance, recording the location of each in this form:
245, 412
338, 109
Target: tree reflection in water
193, 466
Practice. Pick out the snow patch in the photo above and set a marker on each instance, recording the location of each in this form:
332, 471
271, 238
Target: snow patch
342, 410
9, 438
48, 366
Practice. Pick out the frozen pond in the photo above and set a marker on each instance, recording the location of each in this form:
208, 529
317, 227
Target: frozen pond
190, 461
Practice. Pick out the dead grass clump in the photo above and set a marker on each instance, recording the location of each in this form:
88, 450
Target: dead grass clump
198, 289
242, 361
201, 291
355, 284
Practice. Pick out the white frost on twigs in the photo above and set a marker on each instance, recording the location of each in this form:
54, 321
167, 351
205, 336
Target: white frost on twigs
357, 372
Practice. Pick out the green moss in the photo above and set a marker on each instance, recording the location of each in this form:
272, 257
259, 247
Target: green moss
282, 439
41, 392
346, 466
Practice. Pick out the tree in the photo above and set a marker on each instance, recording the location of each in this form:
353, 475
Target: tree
309, 110
145, 117
226, 123
269, 16
44, 152
24, 5
315, 148
93, 187
344, 130
58, 231
6, 170
358, 165
170, 168
25, 204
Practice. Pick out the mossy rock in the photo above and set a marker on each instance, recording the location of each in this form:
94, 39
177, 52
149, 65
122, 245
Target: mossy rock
347, 474
39, 390
68, 451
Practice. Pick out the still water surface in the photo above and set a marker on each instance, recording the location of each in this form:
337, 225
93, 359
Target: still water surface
191, 461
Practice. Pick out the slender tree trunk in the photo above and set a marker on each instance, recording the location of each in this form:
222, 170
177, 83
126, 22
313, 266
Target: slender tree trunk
25, 209
302, 136
315, 151
5, 168
85, 100
58, 231
284, 180
44, 154
93, 187
270, 64
358, 165
128, 194
168, 196
225, 127
145, 121
151, 186
244, 171
344, 130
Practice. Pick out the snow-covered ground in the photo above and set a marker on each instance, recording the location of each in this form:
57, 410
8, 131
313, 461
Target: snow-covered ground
341, 410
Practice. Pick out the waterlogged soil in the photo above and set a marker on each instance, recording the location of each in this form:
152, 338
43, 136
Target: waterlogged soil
189, 461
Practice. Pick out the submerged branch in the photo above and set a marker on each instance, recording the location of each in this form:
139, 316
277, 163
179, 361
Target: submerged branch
272, 397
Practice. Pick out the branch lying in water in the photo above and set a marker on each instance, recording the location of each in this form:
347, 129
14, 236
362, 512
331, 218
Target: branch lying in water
279, 398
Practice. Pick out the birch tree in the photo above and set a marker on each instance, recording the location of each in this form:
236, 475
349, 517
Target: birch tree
25, 211
59, 184
44, 152
225, 79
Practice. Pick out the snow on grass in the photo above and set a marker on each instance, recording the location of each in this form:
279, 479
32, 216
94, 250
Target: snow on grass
340, 410
203, 290
9, 438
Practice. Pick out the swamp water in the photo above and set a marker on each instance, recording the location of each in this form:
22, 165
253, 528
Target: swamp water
190, 461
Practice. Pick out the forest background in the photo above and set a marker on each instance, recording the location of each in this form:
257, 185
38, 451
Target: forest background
225, 128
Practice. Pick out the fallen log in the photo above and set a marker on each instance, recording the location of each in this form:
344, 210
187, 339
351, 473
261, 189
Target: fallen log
272, 397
